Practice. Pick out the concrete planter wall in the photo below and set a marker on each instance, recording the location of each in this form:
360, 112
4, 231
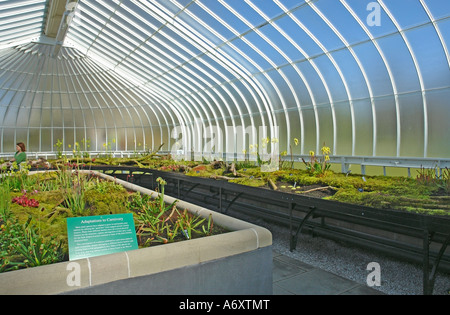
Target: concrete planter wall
238, 262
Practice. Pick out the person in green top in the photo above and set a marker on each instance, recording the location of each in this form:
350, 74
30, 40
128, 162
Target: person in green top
20, 155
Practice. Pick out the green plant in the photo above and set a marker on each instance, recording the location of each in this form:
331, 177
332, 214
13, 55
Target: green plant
36, 251
59, 146
18, 179
426, 176
108, 149
21, 246
73, 186
156, 228
292, 156
5, 199
10, 230
445, 178
161, 183
430, 177
75, 200
85, 144
103, 186
47, 185
255, 151
77, 150
136, 201
209, 227
152, 221
318, 166
189, 223
282, 162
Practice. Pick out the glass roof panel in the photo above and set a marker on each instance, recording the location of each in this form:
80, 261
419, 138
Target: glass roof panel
305, 42
368, 12
407, 13
351, 73
375, 69
400, 63
320, 67
224, 14
314, 23
257, 60
439, 9
444, 27
242, 10
233, 50
280, 40
269, 9
208, 18
342, 20
291, 4
430, 56
264, 48
142, 16
20, 20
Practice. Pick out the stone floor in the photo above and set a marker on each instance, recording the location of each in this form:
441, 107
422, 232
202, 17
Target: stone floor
293, 277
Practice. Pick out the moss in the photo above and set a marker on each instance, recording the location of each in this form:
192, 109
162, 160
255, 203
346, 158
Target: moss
205, 171
108, 200
251, 171
376, 191
424, 204
426, 211
297, 176
370, 199
199, 173
253, 182
50, 217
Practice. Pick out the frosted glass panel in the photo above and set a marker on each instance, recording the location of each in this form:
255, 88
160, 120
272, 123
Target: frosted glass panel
430, 56
332, 78
323, 71
401, 63
326, 126
375, 68
363, 128
386, 135
344, 129
412, 125
439, 124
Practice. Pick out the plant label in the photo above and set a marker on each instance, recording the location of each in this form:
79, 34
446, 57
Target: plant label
100, 235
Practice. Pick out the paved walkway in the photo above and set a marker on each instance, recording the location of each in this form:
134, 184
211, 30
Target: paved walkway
293, 277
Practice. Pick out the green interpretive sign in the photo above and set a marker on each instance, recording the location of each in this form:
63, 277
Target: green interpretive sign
100, 235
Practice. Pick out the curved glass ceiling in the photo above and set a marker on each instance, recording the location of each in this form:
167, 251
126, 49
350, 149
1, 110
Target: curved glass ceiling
367, 78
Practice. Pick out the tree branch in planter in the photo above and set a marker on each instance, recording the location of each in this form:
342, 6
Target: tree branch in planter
272, 184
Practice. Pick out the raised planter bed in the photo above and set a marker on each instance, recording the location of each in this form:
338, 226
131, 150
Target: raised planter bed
412, 236
237, 262
405, 217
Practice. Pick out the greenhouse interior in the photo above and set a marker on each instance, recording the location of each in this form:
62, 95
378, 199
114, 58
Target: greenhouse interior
233, 104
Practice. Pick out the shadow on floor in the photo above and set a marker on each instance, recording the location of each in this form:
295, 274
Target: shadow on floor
293, 277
